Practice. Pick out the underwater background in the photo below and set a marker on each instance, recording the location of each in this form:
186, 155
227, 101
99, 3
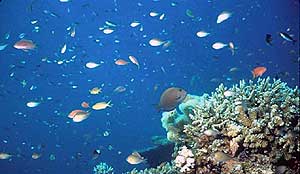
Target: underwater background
59, 81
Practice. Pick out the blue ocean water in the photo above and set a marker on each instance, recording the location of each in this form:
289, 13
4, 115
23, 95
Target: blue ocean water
61, 81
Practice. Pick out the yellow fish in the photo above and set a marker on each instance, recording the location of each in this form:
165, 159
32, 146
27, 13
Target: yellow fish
4, 156
95, 91
36, 155
101, 105
135, 158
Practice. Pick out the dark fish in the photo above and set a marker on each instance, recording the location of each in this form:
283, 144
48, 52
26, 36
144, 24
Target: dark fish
170, 98
269, 39
96, 154
287, 37
78, 155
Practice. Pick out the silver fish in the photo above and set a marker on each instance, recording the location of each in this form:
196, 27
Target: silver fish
287, 37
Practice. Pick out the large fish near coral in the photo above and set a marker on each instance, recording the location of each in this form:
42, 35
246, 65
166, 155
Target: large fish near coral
171, 98
135, 158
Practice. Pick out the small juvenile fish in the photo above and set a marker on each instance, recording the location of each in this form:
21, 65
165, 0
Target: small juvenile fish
92, 65
268, 39
111, 24
231, 47
287, 37
234, 69
189, 13
85, 105
162, 16
223, 16
4, 156
258, 71
36, 155
95, 91
167, 44
134, 61
134, 24
96, 154
155, 42
108, 31
24, 44
119, 89
101, 105
121, 62
153, 14
73, 31
63, 49
2, 47
218, 45
32, 104
202, 34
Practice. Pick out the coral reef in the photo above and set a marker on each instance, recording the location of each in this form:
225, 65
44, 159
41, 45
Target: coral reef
250, 128
174, 121
163, 168
185, 160
103, 168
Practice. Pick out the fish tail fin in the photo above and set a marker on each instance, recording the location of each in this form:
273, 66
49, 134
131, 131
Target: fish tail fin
253, 75
145, 161
35, 46
109, 104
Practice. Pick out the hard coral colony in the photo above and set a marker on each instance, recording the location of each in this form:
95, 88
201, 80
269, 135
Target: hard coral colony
254, 131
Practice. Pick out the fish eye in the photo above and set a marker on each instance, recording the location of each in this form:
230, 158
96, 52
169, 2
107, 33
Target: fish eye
180, 89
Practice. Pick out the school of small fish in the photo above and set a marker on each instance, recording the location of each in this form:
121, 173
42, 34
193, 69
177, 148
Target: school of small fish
98, 97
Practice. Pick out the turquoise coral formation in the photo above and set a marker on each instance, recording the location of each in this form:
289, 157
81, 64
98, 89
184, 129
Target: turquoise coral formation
164, 168
248, 128
103, 168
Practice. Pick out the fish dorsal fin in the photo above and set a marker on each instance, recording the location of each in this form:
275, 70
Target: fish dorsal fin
137, 154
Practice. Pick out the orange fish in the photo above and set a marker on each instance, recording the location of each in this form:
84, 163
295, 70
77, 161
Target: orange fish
258, 71
85, 105
25, 45
134, 61
80, 116
121, 62
74, 112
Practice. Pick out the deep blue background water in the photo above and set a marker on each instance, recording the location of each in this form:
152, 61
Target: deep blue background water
189, 62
